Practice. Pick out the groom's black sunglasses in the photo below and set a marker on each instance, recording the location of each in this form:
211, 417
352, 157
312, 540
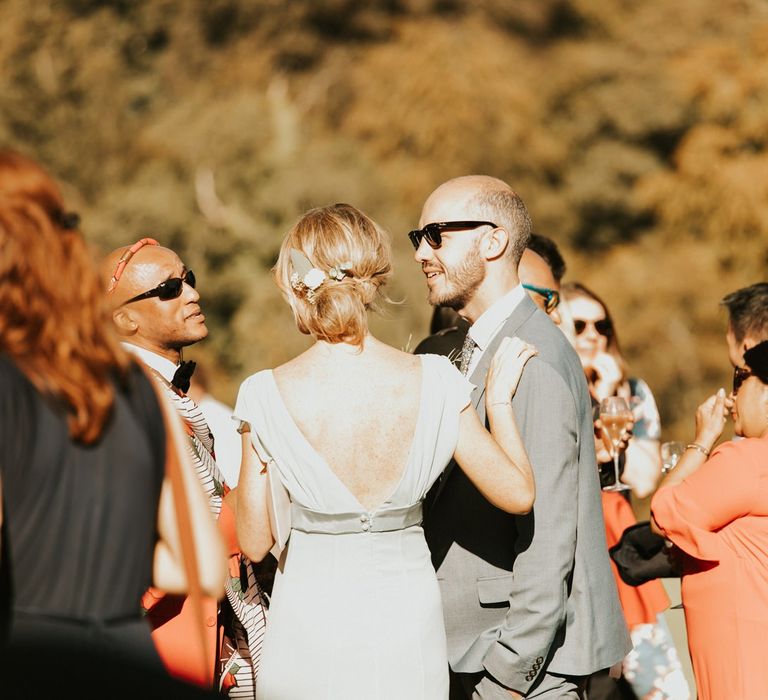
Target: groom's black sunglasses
432, 231
170, 289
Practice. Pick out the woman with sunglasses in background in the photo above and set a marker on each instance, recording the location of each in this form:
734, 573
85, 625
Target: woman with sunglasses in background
88, 512
652, 668
714, 507
597, 345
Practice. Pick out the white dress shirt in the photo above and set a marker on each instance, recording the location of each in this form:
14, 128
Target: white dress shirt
157, 362
488, 325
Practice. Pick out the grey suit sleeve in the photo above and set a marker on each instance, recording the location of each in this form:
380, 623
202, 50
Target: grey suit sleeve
545, 410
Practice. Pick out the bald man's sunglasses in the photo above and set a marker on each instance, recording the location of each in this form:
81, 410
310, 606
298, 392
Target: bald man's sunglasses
551, 296
170, 289
432, 232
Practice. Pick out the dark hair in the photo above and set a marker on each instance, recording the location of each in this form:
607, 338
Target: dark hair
748, 311
756, 358
547, 249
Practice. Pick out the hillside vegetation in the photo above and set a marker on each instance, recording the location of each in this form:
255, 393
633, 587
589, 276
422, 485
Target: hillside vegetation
637, 133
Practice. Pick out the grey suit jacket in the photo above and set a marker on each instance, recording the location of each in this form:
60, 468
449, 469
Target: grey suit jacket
527, 594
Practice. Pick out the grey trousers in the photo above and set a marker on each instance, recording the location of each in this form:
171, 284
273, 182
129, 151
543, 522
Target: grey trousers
481, 686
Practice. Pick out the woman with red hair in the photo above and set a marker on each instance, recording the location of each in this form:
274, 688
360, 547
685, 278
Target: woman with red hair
88, 513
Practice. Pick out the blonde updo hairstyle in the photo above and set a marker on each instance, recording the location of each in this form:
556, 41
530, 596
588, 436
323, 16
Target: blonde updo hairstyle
339, 234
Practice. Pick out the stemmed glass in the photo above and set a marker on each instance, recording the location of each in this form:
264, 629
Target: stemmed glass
615, 416
670, 454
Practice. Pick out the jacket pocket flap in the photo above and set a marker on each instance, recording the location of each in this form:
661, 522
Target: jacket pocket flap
494, 589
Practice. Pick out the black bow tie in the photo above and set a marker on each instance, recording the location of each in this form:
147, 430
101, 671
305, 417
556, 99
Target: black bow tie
182, 375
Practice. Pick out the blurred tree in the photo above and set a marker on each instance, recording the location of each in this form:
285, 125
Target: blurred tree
636, 133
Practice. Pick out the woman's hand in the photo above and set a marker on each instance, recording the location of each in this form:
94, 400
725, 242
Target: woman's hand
607, 375
506, 369
710, 419
603, 445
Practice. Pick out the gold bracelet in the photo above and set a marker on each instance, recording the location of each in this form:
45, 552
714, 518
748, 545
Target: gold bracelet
696, 446
502, 403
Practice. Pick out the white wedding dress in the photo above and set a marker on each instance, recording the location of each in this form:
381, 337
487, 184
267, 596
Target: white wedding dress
355, 610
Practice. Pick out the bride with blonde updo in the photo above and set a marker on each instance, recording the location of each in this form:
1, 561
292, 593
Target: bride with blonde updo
340, 446
337, 311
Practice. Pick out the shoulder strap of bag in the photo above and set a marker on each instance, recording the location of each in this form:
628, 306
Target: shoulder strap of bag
184, 522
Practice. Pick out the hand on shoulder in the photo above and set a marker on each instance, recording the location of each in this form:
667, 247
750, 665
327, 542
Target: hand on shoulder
506, 369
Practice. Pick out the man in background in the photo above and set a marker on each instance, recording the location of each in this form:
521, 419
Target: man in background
156, 312
747, 320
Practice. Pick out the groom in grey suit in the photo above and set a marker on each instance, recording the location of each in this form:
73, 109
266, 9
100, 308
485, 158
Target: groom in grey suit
530, 603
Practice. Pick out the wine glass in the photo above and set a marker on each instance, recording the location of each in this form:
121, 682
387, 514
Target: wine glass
670, 454
615, 416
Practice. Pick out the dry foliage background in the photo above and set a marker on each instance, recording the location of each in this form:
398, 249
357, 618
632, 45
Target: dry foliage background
636, 132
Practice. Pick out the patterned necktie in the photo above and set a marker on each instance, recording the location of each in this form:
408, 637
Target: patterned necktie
466, 353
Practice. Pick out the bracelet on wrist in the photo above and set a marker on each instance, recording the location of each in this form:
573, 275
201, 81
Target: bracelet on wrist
501, 403
697, 446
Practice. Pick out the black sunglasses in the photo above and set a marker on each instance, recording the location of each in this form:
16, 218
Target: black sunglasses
604, 327
551, 296
170, 289
432, 231
740, 375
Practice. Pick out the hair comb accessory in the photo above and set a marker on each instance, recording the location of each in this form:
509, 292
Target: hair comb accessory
307, 278
128, 253
338, 272
68, 220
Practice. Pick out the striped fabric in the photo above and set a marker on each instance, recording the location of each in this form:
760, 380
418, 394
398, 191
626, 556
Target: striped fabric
243, 636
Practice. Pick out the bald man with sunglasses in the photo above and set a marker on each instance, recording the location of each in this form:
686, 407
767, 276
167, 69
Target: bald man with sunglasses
529, 602
156, 312
155, 306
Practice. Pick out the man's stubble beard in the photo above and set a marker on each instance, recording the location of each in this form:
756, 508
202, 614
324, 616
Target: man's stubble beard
462, 281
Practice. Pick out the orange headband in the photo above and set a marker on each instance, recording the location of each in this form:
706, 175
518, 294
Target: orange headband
124, 258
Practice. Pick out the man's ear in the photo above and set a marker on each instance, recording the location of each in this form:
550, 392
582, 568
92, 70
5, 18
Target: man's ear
495, 243
125, 322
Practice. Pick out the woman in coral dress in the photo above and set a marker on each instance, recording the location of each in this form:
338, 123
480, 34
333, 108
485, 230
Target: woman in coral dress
715, 509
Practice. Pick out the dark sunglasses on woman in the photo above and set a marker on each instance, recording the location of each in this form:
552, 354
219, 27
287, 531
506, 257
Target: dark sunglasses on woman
604, 327
740, 375
170, 289
432, 232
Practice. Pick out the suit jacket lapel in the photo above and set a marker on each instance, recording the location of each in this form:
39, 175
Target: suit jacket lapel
520, 315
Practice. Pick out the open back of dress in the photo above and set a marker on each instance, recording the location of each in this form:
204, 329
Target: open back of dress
356, 610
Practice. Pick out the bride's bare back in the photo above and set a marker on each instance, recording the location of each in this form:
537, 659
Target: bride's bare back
358, 409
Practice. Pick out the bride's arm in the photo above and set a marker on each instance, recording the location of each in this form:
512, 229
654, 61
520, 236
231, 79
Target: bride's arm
254, 532
496, 462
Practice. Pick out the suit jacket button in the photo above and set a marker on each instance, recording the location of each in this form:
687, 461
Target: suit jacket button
540, 660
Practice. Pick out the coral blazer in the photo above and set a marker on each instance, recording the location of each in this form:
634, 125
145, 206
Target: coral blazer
718, 516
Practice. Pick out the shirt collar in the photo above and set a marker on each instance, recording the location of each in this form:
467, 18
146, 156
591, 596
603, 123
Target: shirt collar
160, 364
485, 328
